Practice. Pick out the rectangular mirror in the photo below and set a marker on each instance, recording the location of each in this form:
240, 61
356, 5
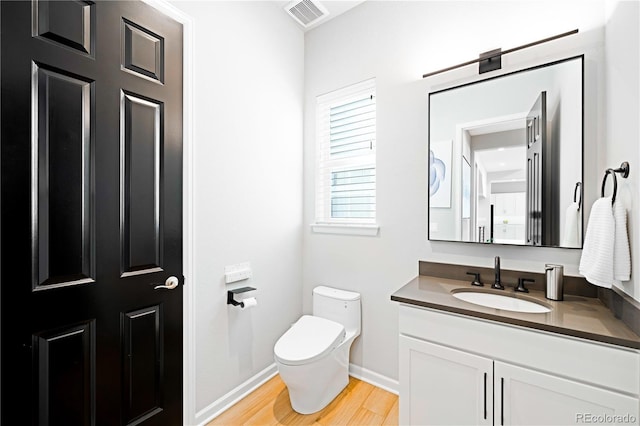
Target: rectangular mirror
505, 158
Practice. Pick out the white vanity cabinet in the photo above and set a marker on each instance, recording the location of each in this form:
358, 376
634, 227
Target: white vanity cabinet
459, 370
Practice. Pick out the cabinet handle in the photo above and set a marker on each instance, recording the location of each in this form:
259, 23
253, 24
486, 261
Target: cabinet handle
485, 396
502, 401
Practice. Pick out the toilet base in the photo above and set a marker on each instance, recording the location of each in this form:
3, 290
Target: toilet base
303, 405
313, 386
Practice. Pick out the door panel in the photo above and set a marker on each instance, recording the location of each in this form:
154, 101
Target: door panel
69, 23
141, 148
143, 51
61, 160
65, 367
143, 358
91, 196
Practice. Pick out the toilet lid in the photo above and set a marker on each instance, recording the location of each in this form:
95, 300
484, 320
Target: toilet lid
308, 339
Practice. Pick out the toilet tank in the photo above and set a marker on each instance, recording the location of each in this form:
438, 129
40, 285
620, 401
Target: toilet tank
341, 306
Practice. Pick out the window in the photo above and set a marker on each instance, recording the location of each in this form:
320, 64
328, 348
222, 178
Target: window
346, 156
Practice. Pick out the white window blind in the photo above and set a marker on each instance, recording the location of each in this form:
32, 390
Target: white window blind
346, 159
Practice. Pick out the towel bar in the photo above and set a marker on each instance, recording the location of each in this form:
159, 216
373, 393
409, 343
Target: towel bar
623, 170
578, 190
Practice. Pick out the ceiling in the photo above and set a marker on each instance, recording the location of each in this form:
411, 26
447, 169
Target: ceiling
502, 159
334, 7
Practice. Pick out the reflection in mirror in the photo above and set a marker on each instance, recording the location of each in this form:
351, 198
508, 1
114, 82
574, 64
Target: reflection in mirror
505, 158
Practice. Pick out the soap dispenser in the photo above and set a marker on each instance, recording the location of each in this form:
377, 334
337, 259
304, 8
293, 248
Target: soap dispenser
554, 275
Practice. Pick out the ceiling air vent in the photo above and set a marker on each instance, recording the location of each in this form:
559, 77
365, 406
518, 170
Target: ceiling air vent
306, 12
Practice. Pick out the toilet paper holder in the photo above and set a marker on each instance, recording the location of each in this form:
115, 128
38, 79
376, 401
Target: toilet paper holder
232, 293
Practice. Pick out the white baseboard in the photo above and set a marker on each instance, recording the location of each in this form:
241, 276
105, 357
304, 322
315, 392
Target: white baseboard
374, 378
220, 405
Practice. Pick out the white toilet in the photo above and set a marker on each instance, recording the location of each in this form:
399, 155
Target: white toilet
313, 355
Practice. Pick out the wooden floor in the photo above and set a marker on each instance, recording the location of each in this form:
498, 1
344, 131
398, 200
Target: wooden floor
358, 404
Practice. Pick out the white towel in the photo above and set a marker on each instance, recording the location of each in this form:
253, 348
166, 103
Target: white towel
596, 263
621, 251
606, 257
571, 226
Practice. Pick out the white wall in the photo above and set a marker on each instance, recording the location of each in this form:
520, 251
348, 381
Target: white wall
397, 42
622, 111
248, 113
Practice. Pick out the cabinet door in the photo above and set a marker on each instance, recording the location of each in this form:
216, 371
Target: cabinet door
443, 386
527, 397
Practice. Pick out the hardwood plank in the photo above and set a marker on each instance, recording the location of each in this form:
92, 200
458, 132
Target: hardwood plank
359, 404
366, 417
380, 402
264, 417
393, 417
299, 419
351, 399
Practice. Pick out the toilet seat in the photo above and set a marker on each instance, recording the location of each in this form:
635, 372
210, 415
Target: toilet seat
309, 339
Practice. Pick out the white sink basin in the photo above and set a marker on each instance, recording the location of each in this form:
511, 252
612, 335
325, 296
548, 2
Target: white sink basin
499, 301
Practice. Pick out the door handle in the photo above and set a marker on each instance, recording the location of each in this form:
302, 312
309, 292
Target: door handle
171, 283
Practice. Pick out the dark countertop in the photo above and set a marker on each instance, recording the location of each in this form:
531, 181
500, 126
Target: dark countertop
576, 316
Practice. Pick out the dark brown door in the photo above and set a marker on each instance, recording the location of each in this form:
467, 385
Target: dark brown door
91, 201
536, 135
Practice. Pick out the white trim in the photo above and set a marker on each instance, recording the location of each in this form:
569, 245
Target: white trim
494, 124
188, 267
345, 229
376, 379
350, 90
225, 402
188, 187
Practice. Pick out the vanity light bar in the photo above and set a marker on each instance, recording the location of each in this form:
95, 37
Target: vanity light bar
491, 60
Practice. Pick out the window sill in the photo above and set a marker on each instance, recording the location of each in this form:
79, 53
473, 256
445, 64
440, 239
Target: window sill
345, 229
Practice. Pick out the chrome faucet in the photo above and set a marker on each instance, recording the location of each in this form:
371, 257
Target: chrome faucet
497, 284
